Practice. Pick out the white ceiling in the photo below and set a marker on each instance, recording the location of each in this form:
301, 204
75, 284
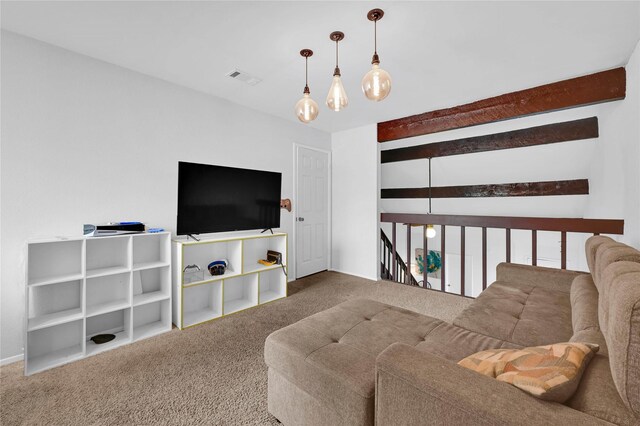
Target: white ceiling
439, 54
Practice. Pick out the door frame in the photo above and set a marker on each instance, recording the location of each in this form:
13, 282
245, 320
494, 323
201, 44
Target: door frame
294, 207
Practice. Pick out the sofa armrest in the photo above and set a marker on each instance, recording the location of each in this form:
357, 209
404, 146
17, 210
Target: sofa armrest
417, 388
553, 279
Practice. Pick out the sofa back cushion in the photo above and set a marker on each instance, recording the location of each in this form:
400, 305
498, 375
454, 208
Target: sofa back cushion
608, 253
584, 313
584, 304
591, 246
619, 313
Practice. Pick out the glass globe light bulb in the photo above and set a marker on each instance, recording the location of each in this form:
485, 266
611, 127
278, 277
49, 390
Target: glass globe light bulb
306, 109
337, 98
376, 84
431, 231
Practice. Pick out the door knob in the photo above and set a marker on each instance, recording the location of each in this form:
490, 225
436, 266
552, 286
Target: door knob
301, 219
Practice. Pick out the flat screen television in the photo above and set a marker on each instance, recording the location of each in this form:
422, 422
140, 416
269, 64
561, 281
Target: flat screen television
216, 199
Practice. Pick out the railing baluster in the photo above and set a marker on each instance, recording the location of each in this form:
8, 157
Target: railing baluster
563, 250
382, 257
393, 247
408, 273
425, 272
426, 253
443, 253
508, 235
389, 262
462, 257
534, 247
484, 258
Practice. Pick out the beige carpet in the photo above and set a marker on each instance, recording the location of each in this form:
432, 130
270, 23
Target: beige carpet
212, 374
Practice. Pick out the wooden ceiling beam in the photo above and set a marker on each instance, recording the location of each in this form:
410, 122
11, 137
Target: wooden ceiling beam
522, 189
586, 128
591, 89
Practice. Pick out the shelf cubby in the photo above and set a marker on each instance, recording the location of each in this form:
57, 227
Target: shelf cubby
202, 303
273, 285
52, 346
240, 293
150, 251
54, 304
108, 255
151, 319
108, 293
151, 285
205, 252
256, 248
116, 322
54, 262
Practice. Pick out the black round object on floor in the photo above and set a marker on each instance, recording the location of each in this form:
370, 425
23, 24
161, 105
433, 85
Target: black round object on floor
99, 339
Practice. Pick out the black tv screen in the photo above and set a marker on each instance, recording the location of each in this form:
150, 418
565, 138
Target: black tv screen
217, 199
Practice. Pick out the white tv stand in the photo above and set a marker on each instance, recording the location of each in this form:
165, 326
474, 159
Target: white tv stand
245, 284
79, 287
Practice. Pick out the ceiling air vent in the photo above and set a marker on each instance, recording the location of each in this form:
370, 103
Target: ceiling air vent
244, 77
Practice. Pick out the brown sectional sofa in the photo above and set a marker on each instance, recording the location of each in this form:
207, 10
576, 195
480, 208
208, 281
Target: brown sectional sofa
364, 362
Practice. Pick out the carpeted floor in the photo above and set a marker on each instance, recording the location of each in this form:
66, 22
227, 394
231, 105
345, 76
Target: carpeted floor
212, 374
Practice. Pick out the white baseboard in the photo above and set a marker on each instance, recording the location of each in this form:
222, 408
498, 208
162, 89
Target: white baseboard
353, 274
11, 359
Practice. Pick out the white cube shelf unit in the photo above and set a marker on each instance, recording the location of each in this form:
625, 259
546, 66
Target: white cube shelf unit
80, 287
245, 283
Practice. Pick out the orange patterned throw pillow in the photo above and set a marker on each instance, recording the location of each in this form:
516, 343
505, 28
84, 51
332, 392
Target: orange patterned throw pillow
549, 372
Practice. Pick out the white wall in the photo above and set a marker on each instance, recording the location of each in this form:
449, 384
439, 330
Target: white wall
84, 141
355, 231
615, 171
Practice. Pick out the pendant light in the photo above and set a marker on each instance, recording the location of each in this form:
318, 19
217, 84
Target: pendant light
431, 231
337, 98
376, 84
306, 108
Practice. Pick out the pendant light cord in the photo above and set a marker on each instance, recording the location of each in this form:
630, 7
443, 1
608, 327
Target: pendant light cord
429, 185
336, 53
306, 71
375, 37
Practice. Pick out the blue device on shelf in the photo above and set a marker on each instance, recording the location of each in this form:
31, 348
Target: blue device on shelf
217, 267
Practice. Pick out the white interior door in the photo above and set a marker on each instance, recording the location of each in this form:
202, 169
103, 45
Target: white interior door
312, 211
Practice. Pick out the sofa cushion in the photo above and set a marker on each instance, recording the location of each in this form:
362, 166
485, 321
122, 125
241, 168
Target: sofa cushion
454, 343
597, 395
619, 311
593, 336
550, 373
611, 252
584, 313
520, 313
584, 304
331, 355
537, 276
591, 246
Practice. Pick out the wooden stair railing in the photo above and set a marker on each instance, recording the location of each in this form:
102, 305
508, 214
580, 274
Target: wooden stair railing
386, 269
396, 270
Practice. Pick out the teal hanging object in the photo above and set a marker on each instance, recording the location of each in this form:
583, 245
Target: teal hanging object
434, 262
